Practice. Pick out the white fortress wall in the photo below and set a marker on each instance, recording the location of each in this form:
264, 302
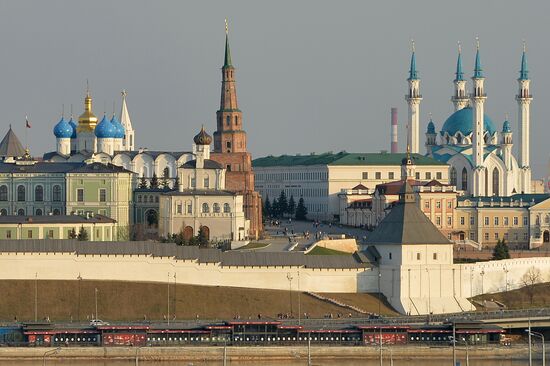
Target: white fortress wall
68, 266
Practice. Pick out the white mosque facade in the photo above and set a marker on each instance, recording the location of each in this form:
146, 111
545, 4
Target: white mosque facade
479, 154
111, 141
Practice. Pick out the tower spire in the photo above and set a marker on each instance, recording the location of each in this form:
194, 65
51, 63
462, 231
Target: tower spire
413, 74
128, 140
413, 99
478, 71
524, 73
459, 99
459, 75
227, 59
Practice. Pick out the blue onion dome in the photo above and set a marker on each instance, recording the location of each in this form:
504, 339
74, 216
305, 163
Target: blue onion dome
202, 138
73, 125
105, 129
120, 132
63, 130
431, 127
506, 127
463, 121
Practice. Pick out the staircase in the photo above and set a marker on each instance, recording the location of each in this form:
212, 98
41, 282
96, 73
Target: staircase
337, 303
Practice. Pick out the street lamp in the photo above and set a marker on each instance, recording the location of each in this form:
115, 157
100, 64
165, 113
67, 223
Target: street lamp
482, 273
541, 336
289, 277
50, 352
96, 291
379, 296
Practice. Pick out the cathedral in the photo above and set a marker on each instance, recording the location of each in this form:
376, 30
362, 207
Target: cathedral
112, 140
478, 152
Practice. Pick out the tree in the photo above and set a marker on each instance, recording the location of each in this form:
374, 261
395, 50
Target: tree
165, 183
301, 210
154, 183
82, 234
176, 183
283, 203
291, 209
142, 182
202, 239
500, 250
529, 280
275, 208
267, 207
72, 233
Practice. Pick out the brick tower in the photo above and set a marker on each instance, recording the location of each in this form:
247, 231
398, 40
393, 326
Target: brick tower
230, 147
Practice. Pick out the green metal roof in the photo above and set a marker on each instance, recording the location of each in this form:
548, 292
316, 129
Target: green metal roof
342, 159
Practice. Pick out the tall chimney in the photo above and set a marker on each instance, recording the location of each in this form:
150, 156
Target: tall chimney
393, 131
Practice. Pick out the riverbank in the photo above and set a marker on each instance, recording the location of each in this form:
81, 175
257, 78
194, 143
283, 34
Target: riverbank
251, 354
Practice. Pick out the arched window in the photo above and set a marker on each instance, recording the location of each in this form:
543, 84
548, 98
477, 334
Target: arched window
166, 172
236, 120
38, 212
547, 219
56, 193
205, 208
464, 183
56, 212
228, 121
3, 212
496, 182
226, 208
216, 208
21, 212
21, 193
39, 193
139, 198
3, 193
453, 176
150, 199
207, 182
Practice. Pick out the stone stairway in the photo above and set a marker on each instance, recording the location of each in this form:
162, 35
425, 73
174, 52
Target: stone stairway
337, 303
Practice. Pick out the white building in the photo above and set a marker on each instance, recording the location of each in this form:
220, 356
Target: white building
479, 154
201, 200
320, 178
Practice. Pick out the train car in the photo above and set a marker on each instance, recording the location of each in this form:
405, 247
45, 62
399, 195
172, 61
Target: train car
123, 335
390, 334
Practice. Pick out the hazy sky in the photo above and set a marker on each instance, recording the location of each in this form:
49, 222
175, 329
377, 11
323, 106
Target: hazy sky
312, 76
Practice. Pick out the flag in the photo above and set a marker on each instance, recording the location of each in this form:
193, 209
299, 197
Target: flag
27, 123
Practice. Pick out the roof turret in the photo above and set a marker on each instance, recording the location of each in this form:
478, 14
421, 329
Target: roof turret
120, 133
431, 127
506, 127
105, 129
63, 130
524, 73
202, 138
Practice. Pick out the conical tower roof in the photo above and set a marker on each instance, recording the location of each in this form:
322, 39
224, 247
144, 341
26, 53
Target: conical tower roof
406, 224
11, 146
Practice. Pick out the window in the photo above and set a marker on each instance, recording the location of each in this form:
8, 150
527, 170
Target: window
505, 221
205, 208
102, 195
472, 235
390, 175
417, 256
365, 175
228, 167
428, 175
525, 236
50, 234
417, 176
139, 198
464, 180
189, 208
449, 220
80, 195
378, 175
453, 176
56, 193
236, 120
525, 221
438, 175
438, 220
472, 220
515, 221
29, 234
193, 182
437, 204
486, 236
3, 193
39, 193
426, 204
496, 221
226, 208
56, 212
435, 256
156, 199
151, 199
389, 256
179, 209
21, 193
495, 182
462, 220
8, 234
3, 212
206, 182
486, 220
506, 236
496, 236
166, 172
21, 212
228, 144
228, 120
38, 212
450, 204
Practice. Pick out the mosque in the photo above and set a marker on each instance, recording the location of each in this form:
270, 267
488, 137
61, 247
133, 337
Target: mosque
479, 154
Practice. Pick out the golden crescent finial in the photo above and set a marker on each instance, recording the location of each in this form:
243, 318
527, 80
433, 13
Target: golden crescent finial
226, 27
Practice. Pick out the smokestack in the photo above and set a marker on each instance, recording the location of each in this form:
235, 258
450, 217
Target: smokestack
393, 131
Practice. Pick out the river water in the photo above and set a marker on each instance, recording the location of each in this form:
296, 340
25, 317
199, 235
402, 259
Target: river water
279, 363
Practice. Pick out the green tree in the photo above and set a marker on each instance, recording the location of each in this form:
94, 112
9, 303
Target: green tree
500, 251
202, 239
165, 183
301, 210
72, 233
275, 208
267, 207
154, 183
283, 203
291, 209
142, 182
82, 234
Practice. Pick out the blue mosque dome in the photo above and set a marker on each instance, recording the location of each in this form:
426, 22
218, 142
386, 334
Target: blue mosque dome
73, 125
63, 129
463, 121
431, 127
120, 133
506, 127
105, 129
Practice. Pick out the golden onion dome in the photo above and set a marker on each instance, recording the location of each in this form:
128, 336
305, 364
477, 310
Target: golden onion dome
87, 120
202, 138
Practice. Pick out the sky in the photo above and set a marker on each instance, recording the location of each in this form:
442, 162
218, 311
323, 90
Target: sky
312, 75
